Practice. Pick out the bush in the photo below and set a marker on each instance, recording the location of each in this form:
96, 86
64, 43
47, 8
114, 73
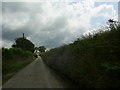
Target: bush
24, 44
35, 55
12, 52
13, 60
92, 61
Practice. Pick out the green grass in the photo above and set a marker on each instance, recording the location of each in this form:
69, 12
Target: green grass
13, 60
91, 61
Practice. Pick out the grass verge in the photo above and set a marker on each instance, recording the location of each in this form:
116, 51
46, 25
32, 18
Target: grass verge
13, 60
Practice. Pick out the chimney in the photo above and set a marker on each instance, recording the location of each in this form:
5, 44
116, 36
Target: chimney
23, 35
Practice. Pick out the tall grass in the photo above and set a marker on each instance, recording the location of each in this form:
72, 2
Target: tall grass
91, 61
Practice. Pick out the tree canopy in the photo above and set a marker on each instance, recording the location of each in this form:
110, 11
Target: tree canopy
41, 48
24, 44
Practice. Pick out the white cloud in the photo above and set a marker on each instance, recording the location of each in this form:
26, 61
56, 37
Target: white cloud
107, 0
15, 20
6, 43
106, 11
51, 24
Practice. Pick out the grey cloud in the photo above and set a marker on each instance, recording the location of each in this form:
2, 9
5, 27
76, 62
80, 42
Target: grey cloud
13, 6
54, 32
58, 24
21, 7
10, 35
53, 39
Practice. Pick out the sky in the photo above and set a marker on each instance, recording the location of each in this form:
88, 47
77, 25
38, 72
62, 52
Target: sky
53, 24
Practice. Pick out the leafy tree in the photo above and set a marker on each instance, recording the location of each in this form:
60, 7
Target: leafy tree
41, 48
24, 44
112, 24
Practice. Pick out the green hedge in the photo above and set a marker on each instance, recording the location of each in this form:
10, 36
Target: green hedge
92, 61
13, 60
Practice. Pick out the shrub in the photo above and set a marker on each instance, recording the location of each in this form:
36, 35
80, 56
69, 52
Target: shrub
24, 44
92, 61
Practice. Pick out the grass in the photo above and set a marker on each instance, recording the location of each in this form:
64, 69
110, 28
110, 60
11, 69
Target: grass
90, 61
13, 60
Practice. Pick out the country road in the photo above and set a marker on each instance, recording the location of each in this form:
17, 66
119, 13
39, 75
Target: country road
36, 75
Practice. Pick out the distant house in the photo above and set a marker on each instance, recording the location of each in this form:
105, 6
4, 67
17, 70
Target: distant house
36, 51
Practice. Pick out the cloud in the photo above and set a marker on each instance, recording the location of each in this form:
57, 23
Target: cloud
6, 43
106, 11
50, 24
19, 20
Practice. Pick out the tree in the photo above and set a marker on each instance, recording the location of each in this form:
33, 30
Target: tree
24, 44
112, 24
41, 48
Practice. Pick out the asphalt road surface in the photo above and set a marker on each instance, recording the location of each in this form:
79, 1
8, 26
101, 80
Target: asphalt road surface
36, 75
